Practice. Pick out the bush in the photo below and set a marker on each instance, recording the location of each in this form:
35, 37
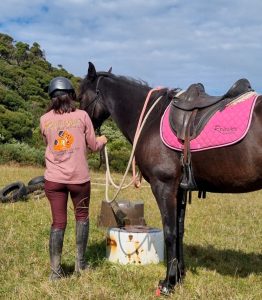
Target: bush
22, 153
94, 161
11, 100
17, 125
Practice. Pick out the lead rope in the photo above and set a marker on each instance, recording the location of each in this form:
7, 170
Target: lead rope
138, 132
137, 181
108, 174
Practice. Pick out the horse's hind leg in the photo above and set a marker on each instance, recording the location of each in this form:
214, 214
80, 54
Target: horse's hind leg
166, 196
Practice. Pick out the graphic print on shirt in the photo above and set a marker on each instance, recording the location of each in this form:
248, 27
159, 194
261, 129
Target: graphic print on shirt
64, 141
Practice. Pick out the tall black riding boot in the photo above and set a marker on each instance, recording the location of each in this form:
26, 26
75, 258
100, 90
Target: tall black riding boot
82, 231
55, 251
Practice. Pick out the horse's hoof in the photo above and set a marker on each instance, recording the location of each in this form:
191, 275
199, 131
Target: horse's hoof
164, 288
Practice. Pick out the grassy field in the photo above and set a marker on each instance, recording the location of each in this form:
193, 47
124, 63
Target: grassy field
223, 249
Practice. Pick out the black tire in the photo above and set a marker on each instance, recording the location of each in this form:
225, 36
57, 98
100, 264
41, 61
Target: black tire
13, 192
37, 180
35, 184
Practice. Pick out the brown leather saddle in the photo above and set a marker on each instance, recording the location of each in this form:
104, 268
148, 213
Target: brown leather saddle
192, 109
190, 112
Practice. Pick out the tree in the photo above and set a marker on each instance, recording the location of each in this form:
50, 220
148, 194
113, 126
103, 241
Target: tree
36, 51
6, 40
21, 53
6, 46
4, 52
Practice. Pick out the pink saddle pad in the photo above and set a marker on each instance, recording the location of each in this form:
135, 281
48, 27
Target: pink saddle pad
224, 128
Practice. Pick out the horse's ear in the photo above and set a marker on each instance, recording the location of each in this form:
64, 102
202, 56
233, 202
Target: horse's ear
110, 70
91, 75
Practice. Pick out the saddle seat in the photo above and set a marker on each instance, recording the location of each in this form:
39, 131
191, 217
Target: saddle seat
191, 110
196, 97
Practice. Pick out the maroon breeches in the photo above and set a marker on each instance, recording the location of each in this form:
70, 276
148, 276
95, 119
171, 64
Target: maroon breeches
57, 194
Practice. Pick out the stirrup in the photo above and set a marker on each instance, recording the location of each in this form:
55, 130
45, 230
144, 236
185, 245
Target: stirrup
188, 181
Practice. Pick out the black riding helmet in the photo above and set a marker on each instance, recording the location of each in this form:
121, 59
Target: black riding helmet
60, 84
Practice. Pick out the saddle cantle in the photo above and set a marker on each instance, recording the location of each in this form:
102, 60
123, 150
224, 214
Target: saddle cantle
191, 110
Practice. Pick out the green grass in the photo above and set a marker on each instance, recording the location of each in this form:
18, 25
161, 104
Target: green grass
223, 249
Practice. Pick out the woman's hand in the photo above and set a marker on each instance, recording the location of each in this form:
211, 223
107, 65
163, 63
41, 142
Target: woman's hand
101, 139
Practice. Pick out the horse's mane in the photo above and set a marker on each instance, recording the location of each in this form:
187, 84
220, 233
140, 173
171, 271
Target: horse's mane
167, 94
124, 79
136, 82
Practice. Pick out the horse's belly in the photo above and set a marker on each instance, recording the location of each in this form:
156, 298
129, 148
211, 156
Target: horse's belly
227, 172
229, 187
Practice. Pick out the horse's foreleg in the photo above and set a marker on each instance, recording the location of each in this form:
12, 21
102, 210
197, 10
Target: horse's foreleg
166, 196
181, 211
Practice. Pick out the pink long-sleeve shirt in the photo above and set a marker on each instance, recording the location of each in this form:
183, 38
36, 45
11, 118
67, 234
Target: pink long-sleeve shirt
67, 137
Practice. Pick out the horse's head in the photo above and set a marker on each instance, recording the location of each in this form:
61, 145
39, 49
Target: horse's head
92, 98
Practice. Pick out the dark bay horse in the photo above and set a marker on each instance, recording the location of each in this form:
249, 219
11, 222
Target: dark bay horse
231, 169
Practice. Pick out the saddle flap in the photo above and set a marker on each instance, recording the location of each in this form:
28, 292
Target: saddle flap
180, 120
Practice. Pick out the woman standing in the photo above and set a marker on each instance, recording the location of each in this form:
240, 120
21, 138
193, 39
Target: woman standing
67, 132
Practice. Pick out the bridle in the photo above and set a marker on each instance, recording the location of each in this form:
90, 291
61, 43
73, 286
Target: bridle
95, 99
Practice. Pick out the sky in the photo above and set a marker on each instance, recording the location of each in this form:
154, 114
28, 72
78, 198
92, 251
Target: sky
167, 43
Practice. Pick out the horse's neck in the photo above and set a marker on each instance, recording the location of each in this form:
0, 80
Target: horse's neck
126, 109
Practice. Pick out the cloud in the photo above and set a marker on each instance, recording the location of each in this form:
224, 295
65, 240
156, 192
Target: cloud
171, 43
